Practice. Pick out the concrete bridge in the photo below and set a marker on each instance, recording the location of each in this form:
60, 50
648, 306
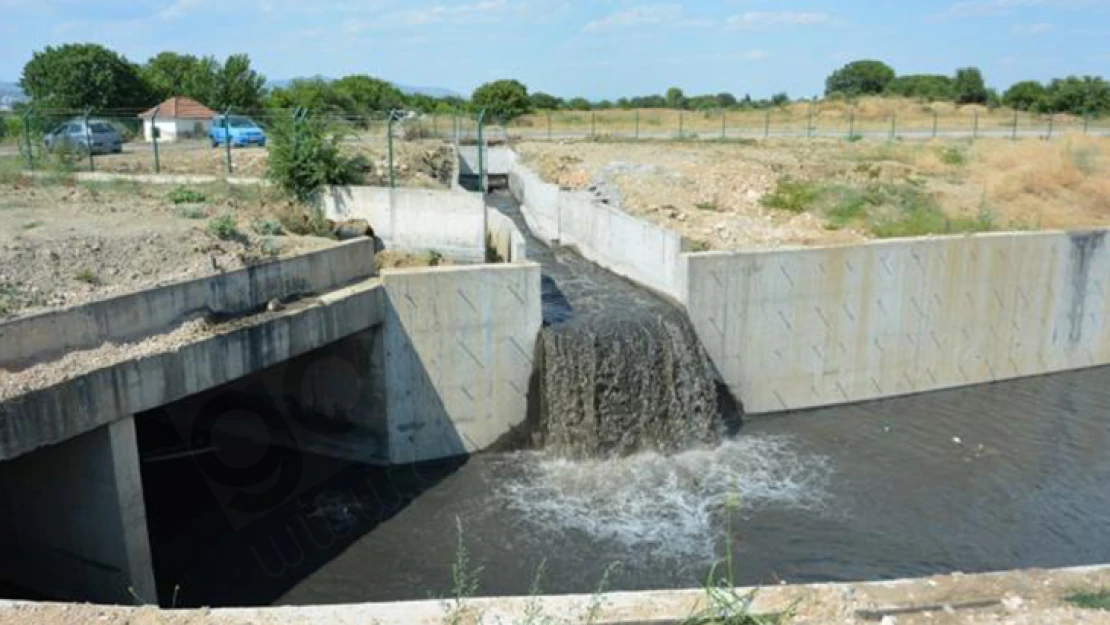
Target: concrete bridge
411, 366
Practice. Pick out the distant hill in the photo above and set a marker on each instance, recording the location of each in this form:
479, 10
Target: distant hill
432, 92
12, 90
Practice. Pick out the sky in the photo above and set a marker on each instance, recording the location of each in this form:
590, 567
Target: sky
592, 48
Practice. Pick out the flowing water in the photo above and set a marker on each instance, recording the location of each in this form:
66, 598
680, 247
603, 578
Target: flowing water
620, 369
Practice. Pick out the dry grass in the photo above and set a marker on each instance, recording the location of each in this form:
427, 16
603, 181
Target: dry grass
872, 114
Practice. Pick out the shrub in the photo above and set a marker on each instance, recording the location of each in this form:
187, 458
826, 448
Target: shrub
193, 212
792, 195
88, 276
184, 195
305, 156
223, 227
953, 156
268, 227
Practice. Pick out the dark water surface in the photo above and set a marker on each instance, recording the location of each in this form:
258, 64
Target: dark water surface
874, 491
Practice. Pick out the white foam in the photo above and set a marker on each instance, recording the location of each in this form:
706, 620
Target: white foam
670, 506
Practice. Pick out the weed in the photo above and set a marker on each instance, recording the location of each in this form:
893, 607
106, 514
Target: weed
953, 156
31, 225
848, 210
533, 609
794, 196
268, 227
271, 247
184, 195
433, 258
597, 600
464, 581
1090, 600
1085, 158
193, 212
304, 220
223, 227
854, 138
699, 245
708, 206
86, 275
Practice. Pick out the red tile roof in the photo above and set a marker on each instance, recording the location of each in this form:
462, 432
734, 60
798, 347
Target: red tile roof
180, 107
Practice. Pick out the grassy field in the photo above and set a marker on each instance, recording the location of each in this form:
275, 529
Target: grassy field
738, 194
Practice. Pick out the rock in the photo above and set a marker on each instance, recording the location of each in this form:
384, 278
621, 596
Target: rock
275, 305
1013, 603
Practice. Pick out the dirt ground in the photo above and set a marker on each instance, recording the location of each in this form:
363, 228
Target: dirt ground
765, 194
63, 243
1012, 598
421, 164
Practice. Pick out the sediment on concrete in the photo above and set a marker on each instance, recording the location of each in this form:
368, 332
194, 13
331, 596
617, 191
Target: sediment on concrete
459, 344
132, 316
415, 220
82, 404
505, 240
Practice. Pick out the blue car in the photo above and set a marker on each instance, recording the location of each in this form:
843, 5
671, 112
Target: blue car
242, 130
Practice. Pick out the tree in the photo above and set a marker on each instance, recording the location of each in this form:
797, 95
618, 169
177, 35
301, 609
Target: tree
305, 156
726, 100
930, 87
579, 104
1027, 95
1080, 96
78, 76
780, 99
237, 85
675, 98
366, 93
503, 99
171, 74
314, 94
545, 102
867, 77
969, 87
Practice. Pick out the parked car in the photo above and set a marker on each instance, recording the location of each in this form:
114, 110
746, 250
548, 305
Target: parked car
98, 137
243, 132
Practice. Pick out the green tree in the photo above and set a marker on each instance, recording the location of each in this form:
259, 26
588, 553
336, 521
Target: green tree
237, 85
305, 156
544, 102
866, 77
1089, 94
780, 99
315, 94
366, 93
503, 100
726, 100
969, 86
1027, 95
77, 76
579, 104
676, 99
171, 74
930, 87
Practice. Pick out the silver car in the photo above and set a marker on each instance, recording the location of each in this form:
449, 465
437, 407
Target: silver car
99, 137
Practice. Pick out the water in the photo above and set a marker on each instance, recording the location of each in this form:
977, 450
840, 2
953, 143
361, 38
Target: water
620, 369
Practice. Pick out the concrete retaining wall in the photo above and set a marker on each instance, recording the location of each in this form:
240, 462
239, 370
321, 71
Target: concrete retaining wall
800, 328
505, 239
415, 220
631, 247
128, 317
458, 351
106, 176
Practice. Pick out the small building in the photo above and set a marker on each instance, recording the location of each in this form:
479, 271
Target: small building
178, 118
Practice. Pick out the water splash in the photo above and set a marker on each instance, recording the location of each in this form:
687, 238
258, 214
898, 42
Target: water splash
671, 507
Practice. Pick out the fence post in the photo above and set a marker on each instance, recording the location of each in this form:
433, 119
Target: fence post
1014, 136
852, 124
975, 125
154, 138
88, 138
1050, 119
549, 125
481, 153
27, 138
935, 116
456, 119
593, 124
724, 114
893, 125
767, 124
389, 148
809, 122
637, 123
681, 129
1087, 123
435, 126
227, 137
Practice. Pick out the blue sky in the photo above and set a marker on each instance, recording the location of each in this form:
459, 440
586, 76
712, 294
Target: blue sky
595, 48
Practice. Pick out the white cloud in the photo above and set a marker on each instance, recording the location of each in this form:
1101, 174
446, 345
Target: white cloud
1031, 29
179, 8
637, 16
755, 20
992, 8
